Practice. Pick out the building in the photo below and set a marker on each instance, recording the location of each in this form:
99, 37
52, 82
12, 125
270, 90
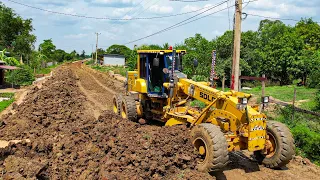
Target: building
2, 63
3, 68
114, 60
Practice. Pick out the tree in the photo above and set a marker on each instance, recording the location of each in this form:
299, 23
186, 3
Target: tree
15, 33
47, 48
309, 32
73, 54
201, 49
278, 50
11, 61
83, 54
59, 55
38, 60
118, 49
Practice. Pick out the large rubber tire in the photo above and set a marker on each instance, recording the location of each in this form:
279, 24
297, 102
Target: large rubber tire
129, 109
216, 147
284, 149
116, 104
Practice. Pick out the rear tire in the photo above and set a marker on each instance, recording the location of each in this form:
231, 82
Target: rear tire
212, 145
129, 109
284, 150
116, 104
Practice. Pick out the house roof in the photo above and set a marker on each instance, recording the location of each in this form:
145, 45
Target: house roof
9, 67
114, 55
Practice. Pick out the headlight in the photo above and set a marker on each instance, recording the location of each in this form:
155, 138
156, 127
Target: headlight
243, 101
265, 99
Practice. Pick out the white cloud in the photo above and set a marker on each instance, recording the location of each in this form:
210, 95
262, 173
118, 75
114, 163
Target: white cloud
161, 9
264, 13
79, 32
121, 11
127, 17
86, 27
288, 9
75, 36
189, 8
68, 10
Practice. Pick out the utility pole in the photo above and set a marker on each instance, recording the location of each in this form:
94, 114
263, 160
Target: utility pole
97, 47
92, 52
236, 48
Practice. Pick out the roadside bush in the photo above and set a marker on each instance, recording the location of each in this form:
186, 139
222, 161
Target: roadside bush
199, 78
307, 141
197, 103
22, 77
90, 62
314, 80
317, 99
305, 130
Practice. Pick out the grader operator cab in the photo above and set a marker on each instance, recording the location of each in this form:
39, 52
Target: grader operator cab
158, 90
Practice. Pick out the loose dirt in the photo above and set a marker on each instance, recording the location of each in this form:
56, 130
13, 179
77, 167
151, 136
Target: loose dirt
73, 138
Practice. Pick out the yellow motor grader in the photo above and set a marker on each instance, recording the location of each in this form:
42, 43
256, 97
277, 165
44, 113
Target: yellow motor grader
158, 90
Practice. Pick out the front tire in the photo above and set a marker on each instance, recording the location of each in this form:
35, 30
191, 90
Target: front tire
129, 109
280, 147
116, 104
212, 145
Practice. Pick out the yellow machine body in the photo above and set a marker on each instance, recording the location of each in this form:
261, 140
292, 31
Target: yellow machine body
243, 125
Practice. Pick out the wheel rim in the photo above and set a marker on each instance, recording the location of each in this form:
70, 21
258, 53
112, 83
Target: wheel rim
115, 106
201, 147
271, 144
123, 111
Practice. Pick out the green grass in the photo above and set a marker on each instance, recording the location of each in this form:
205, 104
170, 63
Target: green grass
309, 105
116, 69
5, 104
306, 131
197, 103
285, 93
46, 70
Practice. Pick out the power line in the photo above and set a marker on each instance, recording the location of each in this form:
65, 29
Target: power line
184, 22
147, 8
109, 18
268, 17
228, 13
189, 0
249, 3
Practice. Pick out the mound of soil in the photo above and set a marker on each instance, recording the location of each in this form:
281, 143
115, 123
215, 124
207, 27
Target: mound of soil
68, 143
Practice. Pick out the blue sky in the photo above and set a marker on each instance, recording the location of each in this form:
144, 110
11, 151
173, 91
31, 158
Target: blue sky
71, 33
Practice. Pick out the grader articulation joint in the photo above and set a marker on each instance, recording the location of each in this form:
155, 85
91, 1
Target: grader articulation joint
158, 90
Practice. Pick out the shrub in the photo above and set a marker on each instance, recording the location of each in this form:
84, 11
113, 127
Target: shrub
197, 103
307, 141
199, 78
90, 62
314, 80
305, 130
317, 99
23, 76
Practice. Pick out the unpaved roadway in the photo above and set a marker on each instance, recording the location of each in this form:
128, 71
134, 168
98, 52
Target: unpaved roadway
74, 136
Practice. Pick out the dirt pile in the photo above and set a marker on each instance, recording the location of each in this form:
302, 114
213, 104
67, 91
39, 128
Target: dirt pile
144, 152
68, 143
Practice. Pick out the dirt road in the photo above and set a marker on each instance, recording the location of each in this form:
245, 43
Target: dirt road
75, 136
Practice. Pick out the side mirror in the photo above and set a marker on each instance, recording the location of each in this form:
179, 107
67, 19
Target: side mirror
156, 62
195, 63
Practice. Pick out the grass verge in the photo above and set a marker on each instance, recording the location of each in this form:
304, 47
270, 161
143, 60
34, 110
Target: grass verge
6, 103
305, 130
116, 69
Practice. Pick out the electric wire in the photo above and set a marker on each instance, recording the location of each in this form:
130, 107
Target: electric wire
184, 22
147, 8
109, 18
189, 0
229, 13
268, 17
